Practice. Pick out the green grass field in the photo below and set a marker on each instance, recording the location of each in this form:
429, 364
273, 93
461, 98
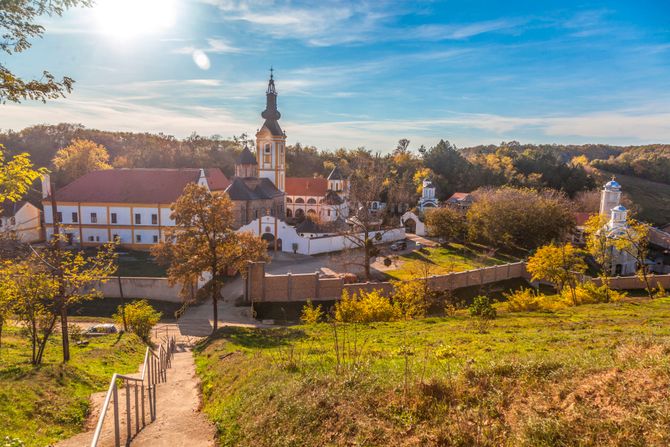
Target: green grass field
41, 405
440, 260
595, 375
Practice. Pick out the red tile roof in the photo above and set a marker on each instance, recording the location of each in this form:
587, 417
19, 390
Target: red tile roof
137, 185
306, 186
581, 218
459, 196
216, 179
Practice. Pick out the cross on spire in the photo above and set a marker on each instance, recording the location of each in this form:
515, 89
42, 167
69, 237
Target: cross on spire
271, 83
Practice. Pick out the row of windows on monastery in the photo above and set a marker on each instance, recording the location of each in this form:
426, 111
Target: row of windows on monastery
113, 218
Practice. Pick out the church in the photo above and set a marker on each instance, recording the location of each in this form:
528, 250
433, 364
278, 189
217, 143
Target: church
623, 263
132, 206
318, 198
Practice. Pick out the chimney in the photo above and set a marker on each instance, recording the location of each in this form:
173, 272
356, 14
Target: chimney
46, 186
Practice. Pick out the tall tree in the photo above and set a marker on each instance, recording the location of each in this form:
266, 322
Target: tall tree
368, 184
452, 171
78, 158
18, 24
35, 302
203, 241
519, 217
76, 275
445, 223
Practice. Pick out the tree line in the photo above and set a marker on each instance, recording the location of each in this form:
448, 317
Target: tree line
560, 167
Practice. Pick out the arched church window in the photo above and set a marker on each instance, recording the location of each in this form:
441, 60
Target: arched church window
268, 230
299, 200
311, 201
289, 200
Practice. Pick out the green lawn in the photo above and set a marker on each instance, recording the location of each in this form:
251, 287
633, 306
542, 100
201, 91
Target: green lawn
135, 263
140, 263
452, 258
595, 375
41, 405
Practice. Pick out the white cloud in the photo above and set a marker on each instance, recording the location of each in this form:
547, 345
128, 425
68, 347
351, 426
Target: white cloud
131, 113
347, 22
461, 31
214, 45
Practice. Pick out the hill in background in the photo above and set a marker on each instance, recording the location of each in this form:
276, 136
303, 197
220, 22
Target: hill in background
644, 171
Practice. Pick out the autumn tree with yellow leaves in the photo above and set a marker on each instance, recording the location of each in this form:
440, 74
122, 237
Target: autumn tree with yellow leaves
78, 158
203, 242
561, 265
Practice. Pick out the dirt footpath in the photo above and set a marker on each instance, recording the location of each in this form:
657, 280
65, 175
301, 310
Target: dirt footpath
179, 422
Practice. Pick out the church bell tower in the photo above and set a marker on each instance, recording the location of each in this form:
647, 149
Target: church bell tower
271, 141
610, 197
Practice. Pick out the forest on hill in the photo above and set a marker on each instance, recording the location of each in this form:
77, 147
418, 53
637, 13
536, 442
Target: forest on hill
566, 168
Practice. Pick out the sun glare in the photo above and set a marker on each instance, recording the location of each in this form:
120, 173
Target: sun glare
128, 18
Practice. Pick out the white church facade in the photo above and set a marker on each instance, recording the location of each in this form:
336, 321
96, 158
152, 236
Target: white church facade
622, 263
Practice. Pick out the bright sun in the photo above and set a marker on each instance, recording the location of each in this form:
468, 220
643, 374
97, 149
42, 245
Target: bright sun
128, 18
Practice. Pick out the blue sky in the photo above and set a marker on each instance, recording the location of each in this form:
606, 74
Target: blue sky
362, 73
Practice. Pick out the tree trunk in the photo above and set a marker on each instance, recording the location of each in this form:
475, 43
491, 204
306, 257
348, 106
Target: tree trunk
215, 308
366, 251
645, 276
34, 343
45, 339
59, 274
2, 323
123, 303
65, 334
215, 313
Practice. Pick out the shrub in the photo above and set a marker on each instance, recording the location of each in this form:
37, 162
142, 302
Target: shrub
483, 308
140, 317
524, 300
76, 332
347, 309
409, 299
589, 293
368, 308
311, 314
660, 290
375, 307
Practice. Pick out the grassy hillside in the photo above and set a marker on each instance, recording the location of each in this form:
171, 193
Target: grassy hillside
44, 404
591, 375
652, 198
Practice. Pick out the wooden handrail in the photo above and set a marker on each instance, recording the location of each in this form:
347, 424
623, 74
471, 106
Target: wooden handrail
154, 371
